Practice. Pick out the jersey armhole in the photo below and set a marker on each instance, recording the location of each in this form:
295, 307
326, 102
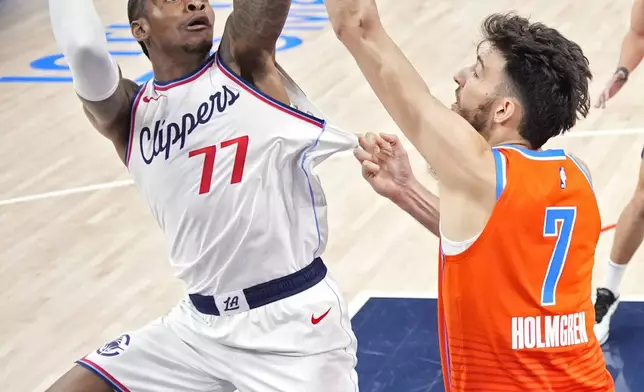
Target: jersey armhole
133, 108
267, 99
582, 168
455, 248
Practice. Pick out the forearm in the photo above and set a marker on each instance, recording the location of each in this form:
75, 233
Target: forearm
422, 205
79, 33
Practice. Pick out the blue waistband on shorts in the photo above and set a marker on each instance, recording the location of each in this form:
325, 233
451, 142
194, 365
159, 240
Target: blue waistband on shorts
271, 291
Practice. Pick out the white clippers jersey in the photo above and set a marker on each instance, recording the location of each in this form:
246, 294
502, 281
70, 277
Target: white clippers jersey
226, 172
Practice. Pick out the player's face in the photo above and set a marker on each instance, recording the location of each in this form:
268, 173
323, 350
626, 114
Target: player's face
181, 24
477, 97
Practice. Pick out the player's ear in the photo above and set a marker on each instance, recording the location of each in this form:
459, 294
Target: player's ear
504, 109
140, 30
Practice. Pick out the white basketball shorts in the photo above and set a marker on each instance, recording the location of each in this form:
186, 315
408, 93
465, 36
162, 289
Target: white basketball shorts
303, 343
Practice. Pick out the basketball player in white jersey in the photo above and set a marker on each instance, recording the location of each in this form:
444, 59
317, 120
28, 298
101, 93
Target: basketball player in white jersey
224, 161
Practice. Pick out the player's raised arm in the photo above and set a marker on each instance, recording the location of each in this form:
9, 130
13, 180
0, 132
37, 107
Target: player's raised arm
97, 80
249, 39
458, 154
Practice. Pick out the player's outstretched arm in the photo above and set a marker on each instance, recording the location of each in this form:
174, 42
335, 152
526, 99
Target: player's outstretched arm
249, 39
461, 158
97, 80
631, 54
385, 166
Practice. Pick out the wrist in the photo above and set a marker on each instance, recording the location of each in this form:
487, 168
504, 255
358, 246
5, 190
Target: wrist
624, 72
406, 193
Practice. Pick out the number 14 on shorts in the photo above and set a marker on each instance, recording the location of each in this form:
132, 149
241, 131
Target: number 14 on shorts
210, 153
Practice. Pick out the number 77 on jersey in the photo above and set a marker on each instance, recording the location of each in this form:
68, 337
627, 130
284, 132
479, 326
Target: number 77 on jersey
210, 153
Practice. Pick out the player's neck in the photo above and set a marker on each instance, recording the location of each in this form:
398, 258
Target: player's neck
517, 144
498, 139
167, 68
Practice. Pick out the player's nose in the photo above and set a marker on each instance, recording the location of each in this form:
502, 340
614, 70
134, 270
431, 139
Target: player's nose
196, 5
459, 77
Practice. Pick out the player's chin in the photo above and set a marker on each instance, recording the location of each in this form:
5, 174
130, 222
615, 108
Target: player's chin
196, 36
203, 45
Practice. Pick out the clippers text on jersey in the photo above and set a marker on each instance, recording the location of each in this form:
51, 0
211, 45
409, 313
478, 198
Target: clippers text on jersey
165, 136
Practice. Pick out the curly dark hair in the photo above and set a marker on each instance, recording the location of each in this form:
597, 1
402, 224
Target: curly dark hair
136, 9
546, 72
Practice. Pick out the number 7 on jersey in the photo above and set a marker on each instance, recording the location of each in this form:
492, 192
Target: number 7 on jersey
559, 222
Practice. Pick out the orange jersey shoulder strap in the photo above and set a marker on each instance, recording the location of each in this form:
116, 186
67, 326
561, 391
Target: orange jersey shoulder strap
514, 163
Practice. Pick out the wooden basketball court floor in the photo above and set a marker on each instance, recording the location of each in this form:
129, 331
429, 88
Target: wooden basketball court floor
81, 259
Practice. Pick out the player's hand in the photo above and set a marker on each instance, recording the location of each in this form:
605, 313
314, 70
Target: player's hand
385, 164
614, 85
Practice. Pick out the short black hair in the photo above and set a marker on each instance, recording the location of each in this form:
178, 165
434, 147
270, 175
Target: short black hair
548, 73
136, 9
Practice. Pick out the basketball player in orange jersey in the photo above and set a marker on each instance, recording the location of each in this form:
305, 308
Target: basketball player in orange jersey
629, 232
518, 224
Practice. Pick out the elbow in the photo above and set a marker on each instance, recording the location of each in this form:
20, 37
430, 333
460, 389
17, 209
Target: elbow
81, 47
86, 54
348, 28
88, 45
352, 25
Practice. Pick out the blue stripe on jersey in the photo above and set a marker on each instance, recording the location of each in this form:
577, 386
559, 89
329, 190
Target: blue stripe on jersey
315, 213
556, 154
499, 164
448, 376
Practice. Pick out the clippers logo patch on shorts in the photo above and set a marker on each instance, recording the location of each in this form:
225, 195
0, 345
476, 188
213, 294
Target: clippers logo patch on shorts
115, 347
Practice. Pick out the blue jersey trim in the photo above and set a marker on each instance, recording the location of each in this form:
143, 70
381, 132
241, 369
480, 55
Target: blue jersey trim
556, 154
499, 165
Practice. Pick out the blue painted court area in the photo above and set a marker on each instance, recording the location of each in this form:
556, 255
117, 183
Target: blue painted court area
398, 346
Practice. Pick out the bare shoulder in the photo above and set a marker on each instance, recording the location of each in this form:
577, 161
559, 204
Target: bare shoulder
111, 117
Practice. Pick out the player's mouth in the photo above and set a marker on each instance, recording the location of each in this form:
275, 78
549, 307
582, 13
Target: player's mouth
198, 23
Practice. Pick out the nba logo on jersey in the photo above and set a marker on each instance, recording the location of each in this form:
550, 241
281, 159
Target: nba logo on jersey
562, 177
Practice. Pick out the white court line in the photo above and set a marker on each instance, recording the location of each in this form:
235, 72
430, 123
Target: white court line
358, 302
118, 184
65, 192
364, 296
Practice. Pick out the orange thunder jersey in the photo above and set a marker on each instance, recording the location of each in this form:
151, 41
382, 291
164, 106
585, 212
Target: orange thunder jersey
515, 310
